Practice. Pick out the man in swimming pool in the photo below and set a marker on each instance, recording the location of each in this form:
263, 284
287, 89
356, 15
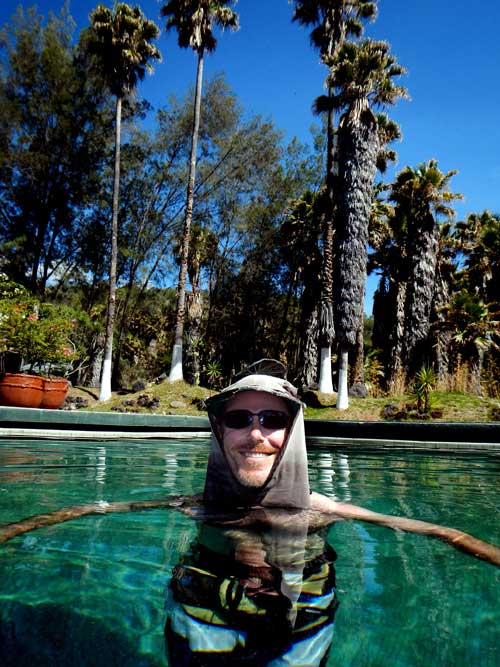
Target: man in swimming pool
268, 573
258, 459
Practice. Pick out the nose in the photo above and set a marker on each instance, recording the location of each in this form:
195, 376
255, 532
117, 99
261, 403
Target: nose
256, 429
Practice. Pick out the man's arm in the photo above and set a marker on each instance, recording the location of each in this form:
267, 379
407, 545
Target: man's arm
455, 538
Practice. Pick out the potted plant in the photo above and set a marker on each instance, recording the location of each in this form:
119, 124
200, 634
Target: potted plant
38, 335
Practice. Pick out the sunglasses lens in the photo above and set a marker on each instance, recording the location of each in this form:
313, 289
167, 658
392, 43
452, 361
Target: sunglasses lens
237, 418
273, 420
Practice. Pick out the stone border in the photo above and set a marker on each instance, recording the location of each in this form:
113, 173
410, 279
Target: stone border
81, 424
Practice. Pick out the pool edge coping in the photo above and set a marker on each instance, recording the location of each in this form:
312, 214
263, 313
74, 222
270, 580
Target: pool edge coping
85, 425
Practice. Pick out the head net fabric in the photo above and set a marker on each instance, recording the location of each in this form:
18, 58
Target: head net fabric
288, 484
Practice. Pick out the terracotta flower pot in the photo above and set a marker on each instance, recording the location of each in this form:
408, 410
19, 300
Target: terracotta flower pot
21, 391
54, 393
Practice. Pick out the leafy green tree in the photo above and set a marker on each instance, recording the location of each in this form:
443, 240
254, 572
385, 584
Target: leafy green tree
251, 289
301, 232
121, 42
51, 148
194, 21
363, 74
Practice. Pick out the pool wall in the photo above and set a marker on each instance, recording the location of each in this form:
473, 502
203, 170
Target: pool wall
81, 424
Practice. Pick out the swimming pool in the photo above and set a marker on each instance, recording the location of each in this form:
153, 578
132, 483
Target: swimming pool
92, 591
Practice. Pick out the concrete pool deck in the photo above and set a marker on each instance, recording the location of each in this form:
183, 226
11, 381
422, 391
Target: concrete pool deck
86, 425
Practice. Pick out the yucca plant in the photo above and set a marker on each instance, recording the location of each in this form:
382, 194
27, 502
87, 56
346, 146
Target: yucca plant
424, 384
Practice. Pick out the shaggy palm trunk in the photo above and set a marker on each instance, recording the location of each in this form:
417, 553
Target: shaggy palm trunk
395, 375
358, 149
105, 392
306, 376
327, 328
194, 311
176, 363
420, 294
476, 367
381, 320
358, 375
443, 338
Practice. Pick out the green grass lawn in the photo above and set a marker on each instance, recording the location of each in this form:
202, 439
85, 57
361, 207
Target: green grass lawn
180, 398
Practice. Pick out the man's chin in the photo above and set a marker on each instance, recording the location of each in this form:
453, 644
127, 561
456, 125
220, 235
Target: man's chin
252, 479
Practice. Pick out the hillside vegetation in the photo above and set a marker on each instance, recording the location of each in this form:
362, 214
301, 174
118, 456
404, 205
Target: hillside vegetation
181, 398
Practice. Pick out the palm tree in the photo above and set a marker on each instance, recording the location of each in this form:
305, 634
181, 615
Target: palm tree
421, 197
194, 21
478, 239
446, 265
120, 41
363, 74
333, 22
388, 131
474, 329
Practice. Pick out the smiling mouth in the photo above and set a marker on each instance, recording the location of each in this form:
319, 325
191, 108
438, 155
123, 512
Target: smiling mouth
256, 454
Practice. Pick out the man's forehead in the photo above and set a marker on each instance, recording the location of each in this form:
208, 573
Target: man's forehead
256, 400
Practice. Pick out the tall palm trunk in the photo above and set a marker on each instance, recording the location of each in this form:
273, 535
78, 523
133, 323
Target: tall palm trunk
395, 380
308, 349
420, 295
358, 374
476, 368
105, 392
327, 328
358, 150
443, 336
176, 364
193, 336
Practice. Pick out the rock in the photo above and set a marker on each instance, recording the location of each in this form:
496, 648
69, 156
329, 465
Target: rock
495, 414
178, 404
358, 390
310, 399
390, 411
74, 403
199, 403
147, 401
140, 385
129, 402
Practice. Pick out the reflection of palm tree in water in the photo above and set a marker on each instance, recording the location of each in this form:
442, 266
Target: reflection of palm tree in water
257, 595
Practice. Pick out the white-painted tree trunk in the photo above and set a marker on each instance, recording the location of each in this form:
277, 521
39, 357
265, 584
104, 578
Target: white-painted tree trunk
105, 393
325, 370
342, 395
176, 365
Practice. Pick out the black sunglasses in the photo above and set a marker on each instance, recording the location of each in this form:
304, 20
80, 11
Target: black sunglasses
273, 420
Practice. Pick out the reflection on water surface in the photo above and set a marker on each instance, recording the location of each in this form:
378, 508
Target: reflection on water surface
93, 590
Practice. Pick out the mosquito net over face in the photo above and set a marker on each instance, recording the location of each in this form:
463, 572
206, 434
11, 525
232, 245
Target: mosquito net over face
287, 485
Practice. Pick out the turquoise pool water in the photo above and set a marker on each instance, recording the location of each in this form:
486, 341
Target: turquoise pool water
92, 591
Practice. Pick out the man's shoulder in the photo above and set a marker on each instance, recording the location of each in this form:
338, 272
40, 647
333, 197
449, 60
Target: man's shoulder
322, 503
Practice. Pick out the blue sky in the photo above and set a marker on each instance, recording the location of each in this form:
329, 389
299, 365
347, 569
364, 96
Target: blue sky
452, 55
